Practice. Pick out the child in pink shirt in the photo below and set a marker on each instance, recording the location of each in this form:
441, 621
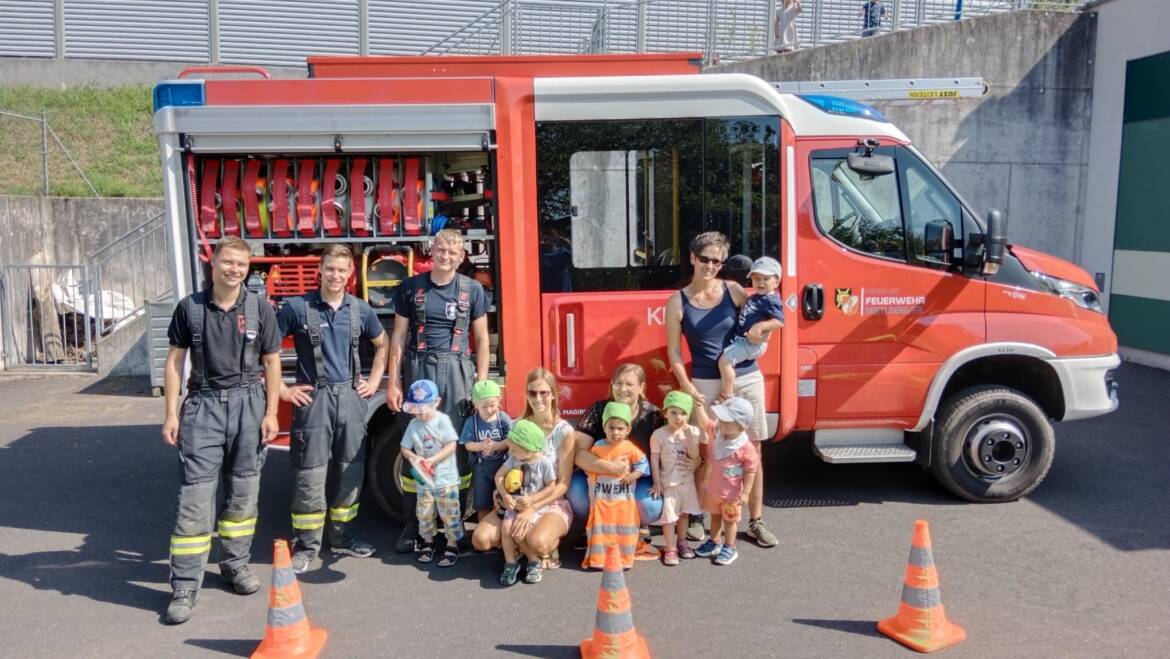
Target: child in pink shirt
673, 448
733, 466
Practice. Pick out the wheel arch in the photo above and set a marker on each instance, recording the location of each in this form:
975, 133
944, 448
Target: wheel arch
1021, 366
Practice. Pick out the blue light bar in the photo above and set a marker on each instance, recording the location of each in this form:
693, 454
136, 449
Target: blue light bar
178, 93
845, 107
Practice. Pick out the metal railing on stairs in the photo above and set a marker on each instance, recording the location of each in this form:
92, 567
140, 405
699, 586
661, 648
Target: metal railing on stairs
127, 272
723, 30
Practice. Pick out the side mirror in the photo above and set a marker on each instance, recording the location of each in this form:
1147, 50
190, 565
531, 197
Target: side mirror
995, 242
939, 241
871, 165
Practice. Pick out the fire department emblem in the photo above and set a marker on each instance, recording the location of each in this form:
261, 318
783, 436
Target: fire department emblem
845, 301
241, 322
450, 309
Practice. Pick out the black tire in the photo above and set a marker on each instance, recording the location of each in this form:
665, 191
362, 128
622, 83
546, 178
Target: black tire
991, 444
384, 464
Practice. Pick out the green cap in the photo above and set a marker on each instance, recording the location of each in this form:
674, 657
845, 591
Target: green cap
485, 389
680, 399
617, 411
527, 435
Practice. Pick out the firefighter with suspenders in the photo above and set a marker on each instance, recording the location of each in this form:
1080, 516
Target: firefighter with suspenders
224, 424
437, 316
330, 402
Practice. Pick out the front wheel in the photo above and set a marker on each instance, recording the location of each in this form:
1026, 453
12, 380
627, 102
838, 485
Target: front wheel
991, 444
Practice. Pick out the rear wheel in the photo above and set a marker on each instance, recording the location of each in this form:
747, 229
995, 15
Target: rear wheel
384, 465
991, 444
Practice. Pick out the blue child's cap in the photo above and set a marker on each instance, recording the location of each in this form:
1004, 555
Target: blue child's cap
420, 394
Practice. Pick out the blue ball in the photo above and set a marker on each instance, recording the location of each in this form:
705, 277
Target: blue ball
649, 508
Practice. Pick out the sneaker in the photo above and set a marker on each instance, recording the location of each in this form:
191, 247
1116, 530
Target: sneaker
695, 530
645, 550
354, 547
508, 576
534, 573
302, 562
242, 580
406, 541
760, 533
727, 555
182, 602
685, 551
670, 557
708, 549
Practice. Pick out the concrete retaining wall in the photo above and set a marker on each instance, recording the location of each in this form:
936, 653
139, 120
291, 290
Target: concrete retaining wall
62, 74
1022, 148
65, 230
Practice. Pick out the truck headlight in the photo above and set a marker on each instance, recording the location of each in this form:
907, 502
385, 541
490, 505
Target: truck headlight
1081, 295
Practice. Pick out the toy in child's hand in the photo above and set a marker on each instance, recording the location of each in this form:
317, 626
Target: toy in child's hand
730, 509
513, 481
423, 471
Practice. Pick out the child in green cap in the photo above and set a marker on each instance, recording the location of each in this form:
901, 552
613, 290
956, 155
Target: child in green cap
526, 453
669, 445
484, 438
613, 510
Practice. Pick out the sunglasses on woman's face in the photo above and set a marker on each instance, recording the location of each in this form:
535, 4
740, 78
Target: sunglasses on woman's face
707, 260
539, 394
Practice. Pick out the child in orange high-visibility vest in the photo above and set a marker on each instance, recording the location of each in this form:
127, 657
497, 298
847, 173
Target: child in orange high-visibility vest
613, 510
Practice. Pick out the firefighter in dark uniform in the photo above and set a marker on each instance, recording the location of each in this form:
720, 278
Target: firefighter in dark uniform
224, 425
330, 399
439, 316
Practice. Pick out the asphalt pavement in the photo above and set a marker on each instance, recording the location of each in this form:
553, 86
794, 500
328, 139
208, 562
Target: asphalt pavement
1079, 569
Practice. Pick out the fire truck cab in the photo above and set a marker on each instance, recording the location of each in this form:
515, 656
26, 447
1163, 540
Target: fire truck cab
914, 331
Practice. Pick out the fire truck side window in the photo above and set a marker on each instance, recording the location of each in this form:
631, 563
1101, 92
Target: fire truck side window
861, 212
930, 206
619, 201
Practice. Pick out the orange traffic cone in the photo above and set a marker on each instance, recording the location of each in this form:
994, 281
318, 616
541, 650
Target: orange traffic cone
614, 636
288, 633
921, 624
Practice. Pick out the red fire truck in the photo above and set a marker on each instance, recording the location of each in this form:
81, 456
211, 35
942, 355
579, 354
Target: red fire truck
915, 333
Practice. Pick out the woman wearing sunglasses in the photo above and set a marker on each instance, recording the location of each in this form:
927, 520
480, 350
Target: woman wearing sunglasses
704, 313
542, 521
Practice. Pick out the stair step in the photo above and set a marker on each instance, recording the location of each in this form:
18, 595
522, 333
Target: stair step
866, 453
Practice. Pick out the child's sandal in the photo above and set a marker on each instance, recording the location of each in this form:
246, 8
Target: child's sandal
449, 558
426, 554
670, 557
534, 573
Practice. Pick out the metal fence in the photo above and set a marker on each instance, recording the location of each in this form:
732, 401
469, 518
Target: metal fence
127, 272
250, 32
47, 319
46, 132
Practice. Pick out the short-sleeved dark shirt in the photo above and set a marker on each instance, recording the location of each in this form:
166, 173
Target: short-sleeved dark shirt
647, 419
759, 308
223, 339
442, 308
335, 333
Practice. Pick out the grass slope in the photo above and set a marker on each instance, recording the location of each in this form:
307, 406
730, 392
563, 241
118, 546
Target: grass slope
108, 131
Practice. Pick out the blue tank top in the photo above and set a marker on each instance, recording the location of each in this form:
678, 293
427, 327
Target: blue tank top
708, 331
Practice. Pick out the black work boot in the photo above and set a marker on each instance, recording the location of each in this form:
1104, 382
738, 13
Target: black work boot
406, 541
182, 603
241, 579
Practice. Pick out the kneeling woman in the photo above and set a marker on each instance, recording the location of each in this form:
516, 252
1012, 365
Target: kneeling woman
542, 520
